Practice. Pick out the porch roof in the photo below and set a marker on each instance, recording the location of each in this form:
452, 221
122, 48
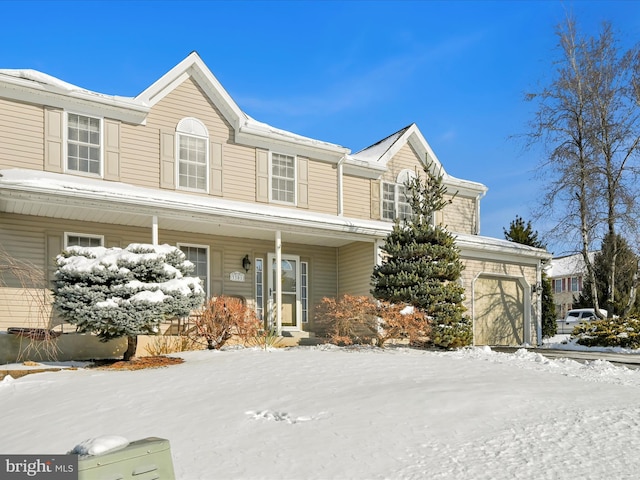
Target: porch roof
57, 195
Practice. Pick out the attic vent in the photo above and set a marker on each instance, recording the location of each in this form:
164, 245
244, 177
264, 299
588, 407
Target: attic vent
192, 126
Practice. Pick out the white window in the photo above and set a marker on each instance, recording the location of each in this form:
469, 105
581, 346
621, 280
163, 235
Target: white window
259, 288
574, 284
557, 285
199, 256
395, 200
193, 154
283, 178
82, 240
84, 144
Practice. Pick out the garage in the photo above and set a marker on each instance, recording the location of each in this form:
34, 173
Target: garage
499, 311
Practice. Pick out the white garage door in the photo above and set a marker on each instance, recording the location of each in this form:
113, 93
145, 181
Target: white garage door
499, 311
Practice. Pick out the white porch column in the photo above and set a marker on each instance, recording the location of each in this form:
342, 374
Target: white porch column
278, 305
154, 230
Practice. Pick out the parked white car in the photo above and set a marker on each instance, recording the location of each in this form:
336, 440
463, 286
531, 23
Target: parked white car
575, 317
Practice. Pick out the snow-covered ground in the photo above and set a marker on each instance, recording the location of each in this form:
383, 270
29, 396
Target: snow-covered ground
334, 413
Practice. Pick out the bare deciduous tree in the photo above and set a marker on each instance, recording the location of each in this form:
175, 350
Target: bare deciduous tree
588, 119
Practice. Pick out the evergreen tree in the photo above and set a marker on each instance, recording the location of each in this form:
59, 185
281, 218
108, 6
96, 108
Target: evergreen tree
523, 233
116, 292
626, 263
422, 265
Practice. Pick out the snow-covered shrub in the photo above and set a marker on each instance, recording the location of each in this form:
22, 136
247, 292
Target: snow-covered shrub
222, 318
363, 320
609, 332
116, 292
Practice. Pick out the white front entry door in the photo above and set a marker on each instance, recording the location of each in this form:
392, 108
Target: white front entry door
291, 307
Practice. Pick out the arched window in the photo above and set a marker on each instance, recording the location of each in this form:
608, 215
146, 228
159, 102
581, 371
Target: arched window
193, 154
395, 203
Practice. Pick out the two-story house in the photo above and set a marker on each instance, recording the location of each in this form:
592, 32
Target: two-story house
567, 275
265, 214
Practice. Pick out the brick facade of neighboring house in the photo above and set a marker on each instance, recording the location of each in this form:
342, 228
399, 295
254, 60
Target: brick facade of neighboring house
182, 164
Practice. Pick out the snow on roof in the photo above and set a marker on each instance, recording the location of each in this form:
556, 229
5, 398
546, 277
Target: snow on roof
56, 84
252, 125
374, 152
569, 265
83, 187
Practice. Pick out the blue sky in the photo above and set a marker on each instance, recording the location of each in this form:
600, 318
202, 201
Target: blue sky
347, 72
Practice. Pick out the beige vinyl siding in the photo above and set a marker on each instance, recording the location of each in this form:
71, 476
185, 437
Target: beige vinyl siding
21, 135
460, 216
140, 153
406, 158
239, 173
188, 100
356, 197
323, 187
25, 307
355, 266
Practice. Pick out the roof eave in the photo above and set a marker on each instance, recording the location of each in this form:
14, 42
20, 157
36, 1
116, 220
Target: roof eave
120, 108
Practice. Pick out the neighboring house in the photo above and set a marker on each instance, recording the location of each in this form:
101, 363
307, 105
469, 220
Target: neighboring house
263, 213
567, 275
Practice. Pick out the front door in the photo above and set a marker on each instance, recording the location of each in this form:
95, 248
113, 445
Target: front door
291, 306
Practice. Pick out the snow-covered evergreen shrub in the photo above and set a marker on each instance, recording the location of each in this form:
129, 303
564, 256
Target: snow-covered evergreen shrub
115, 292
609, 332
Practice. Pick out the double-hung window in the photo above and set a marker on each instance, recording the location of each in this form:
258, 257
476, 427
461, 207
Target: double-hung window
395, 200
199, 256
283, 178
193, 154
84, 144
557, 285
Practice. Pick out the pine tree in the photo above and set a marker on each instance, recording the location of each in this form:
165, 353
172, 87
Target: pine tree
116, 292
422, 265
523, 233
626, 263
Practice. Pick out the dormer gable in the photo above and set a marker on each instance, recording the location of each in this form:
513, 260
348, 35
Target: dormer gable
375, 159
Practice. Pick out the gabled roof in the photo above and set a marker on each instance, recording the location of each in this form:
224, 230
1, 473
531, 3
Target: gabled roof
380, 153
248, 130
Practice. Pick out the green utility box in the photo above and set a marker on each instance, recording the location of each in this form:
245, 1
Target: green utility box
146, 459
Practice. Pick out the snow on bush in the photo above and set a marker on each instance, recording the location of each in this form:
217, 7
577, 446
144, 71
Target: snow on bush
116, 292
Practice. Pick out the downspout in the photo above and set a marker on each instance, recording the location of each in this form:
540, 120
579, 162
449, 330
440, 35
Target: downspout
478, 198
340, 168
